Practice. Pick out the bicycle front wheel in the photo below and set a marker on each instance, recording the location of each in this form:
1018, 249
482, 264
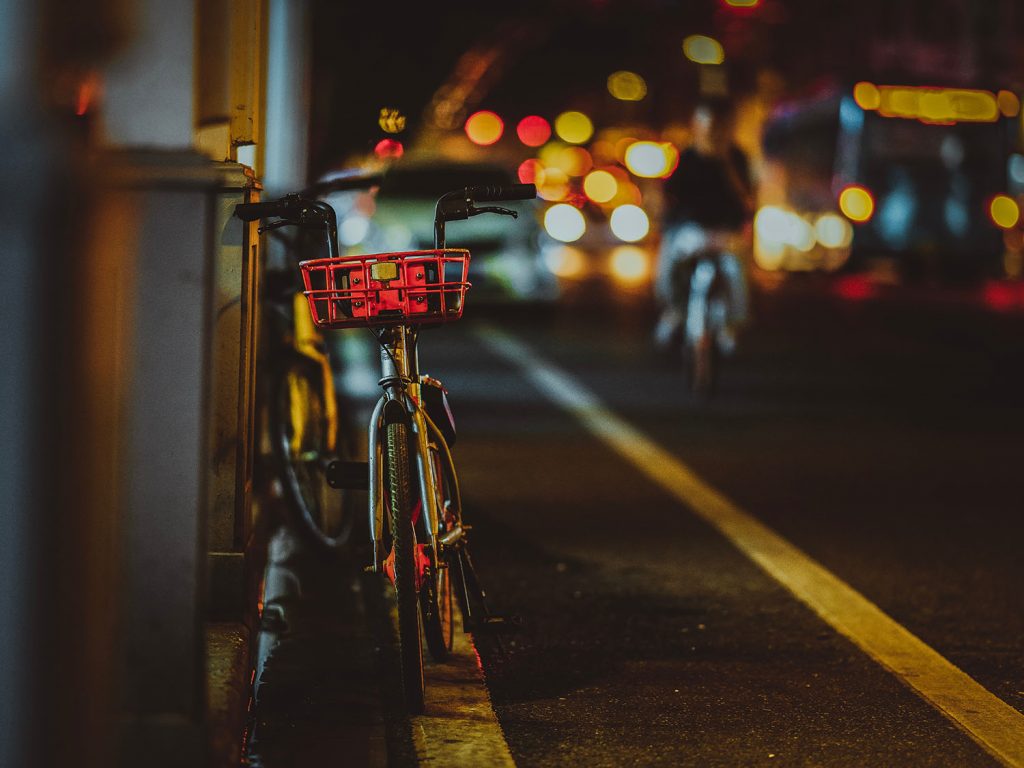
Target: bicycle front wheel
403, 536
303, 447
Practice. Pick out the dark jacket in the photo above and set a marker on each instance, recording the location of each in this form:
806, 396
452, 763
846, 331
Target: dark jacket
704, 192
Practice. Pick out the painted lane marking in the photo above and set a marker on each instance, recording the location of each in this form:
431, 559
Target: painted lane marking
992, 723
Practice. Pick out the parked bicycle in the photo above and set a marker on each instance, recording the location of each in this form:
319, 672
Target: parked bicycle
301, 416
417, 532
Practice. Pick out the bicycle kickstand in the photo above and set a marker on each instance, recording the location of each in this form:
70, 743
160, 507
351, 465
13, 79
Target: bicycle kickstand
472, 592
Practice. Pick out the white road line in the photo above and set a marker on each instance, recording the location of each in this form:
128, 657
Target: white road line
995, 725
458, 727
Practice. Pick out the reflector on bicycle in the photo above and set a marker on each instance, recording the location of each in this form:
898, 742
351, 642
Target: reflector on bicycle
384, 270
379, 289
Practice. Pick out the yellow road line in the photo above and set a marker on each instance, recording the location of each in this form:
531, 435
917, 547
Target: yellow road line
992, 723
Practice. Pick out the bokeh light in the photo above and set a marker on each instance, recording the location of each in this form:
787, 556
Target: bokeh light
573, 161
856, 203
389, 148
833, 231
628, 193
627, 86
867, 96
531, 172
555, 185
1009, 103
564, 222
600, 186
630, 264
629, 223
353, 229
777, 228
533, 130
391, 120
484, 128
650, 160
702, 49
574, 127
1004, 211
564, 261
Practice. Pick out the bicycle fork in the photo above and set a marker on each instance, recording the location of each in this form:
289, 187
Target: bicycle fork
400, 402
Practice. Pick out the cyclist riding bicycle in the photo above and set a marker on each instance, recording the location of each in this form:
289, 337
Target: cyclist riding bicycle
709, 201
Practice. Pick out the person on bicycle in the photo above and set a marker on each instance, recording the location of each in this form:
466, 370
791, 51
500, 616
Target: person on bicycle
709, 201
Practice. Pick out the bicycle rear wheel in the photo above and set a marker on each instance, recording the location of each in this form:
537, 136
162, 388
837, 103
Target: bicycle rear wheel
403, 536
303, 447
702, 365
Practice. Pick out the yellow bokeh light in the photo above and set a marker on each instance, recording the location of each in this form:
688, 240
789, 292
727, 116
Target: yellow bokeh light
391, 120
627, 86
573, 161
574, 127
702, 49
629, 223
550, 153
565, 261
648, 159
564, 222
628, 193
1009, 103
769, 255
484, 128
555, 185
867, 96
630, 264
1004, 211
600, 186
833, 231
857, 204
938, 105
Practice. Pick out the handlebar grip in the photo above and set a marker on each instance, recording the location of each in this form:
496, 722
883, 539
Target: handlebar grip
254, 211
497, 193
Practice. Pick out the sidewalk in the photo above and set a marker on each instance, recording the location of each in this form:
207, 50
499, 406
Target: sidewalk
316, 698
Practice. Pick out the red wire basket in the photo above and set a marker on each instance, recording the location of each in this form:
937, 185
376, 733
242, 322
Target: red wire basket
380, 289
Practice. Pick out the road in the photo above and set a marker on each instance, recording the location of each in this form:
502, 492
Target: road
882, 440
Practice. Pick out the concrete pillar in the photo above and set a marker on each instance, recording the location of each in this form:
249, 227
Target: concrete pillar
149, 87
162, 191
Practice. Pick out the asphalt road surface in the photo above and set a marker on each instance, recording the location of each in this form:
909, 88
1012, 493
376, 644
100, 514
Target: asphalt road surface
881, 439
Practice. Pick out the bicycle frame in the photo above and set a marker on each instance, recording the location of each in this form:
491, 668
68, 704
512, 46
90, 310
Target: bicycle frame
400, 381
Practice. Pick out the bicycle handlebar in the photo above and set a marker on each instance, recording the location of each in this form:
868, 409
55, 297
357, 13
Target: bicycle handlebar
254, 211
495, 193
458, 204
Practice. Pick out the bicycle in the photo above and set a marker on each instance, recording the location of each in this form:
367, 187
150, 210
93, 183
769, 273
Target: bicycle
301, 414
417, 535
702, 300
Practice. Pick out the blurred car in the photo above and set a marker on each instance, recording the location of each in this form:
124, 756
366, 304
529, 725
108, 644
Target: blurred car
586, 246
506, 261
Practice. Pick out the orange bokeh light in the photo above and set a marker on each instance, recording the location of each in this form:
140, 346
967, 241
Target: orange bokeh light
484, 128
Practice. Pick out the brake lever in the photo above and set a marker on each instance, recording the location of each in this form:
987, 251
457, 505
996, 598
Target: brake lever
493, 209
275, 225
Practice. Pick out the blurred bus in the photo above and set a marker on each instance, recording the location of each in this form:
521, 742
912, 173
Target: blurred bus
916, 176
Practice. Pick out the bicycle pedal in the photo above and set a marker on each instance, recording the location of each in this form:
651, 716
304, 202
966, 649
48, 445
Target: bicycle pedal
348, 475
